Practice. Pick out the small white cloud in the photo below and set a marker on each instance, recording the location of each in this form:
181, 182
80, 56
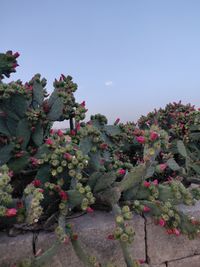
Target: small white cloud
109, 83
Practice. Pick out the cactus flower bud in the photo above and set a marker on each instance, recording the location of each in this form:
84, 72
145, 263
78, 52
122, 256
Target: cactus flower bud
125, 209
124, 237
83, 104
119, 219
117, 121
14, 65
16, 55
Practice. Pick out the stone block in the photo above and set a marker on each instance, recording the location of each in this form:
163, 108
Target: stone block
162, 247
187, 262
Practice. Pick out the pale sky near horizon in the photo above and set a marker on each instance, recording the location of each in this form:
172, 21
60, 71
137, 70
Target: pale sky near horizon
128, 57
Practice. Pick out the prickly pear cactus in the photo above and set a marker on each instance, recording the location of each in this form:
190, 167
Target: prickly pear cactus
127, 168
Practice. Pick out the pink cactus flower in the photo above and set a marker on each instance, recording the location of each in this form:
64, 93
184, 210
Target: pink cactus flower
163, 166
155, 182
176, 232
162, 222
11, 212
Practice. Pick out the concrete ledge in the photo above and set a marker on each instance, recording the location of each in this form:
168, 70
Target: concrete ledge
151, 243
93, 230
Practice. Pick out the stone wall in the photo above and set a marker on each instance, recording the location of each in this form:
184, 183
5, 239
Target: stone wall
151, 244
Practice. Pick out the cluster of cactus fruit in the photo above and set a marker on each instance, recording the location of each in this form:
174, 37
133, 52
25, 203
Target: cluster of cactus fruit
130, 168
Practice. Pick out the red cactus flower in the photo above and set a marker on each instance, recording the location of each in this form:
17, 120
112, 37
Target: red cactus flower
10, 173
169, 231
111, 237
11, 212
52, 131
19, 154
154, 136
103, 146
141, 261
41, 190
63, 195
67, 156
49, 141
20, 204
37, 183
34, 161
78, 126
146, 209
146, 184
73, 133
121, 171
89, 210
141, 139
60, 133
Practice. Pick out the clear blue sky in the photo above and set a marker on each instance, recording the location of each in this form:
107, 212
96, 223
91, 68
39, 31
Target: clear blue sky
126, 56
